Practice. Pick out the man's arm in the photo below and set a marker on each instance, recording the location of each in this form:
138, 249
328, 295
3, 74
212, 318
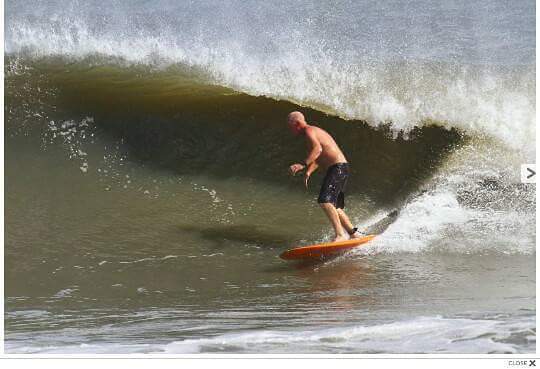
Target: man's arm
310, 169
315, 148
311, 161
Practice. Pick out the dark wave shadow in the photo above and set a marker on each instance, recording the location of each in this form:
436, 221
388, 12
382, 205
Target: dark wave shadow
245, 233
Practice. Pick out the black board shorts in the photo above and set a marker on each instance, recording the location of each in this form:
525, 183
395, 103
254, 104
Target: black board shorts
333, 186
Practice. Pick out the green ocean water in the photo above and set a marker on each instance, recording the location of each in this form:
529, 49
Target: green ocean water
147, 196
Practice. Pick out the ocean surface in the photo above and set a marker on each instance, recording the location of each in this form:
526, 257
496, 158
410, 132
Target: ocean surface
147, 196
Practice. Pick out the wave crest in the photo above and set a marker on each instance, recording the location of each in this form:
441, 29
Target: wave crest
483, 100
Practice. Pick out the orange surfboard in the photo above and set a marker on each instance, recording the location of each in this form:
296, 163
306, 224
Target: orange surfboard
322, 250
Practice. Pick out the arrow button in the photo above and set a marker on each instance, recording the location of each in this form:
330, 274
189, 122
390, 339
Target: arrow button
528, 173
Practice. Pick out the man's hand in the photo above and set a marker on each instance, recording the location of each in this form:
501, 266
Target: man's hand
295, 168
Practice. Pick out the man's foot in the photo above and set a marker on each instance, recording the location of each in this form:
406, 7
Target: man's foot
357, 234
340, 237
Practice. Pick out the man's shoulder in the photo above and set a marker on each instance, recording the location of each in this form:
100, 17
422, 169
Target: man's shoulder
311, 129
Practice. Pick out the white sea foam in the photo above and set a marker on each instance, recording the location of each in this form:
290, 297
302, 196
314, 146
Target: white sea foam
67, 292
423, 334
437, 222
433, 334
474, 203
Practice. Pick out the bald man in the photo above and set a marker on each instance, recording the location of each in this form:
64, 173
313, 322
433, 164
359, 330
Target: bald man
323, 151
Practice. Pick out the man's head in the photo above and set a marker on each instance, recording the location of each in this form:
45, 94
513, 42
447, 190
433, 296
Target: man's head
296, 122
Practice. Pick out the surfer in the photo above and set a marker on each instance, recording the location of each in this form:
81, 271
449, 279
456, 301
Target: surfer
323, 151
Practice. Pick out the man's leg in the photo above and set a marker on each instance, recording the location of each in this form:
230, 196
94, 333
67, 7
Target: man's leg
333, 215
345, 221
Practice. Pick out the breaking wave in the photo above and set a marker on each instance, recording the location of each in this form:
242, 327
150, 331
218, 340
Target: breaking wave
438, 133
